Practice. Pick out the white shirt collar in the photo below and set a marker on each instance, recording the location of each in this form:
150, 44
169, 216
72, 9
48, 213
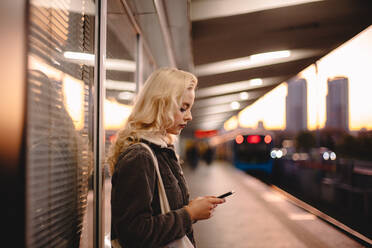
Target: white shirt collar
155, 138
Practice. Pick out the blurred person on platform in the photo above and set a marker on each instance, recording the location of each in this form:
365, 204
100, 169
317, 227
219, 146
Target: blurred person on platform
192, 155
161, 111
208, 155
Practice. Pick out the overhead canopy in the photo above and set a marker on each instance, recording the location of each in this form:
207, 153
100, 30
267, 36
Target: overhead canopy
225, 35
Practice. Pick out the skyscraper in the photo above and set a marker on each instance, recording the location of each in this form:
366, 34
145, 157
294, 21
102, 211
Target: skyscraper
296, 105
338, 103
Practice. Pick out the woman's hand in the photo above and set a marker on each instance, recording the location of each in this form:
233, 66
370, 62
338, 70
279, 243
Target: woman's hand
201, 208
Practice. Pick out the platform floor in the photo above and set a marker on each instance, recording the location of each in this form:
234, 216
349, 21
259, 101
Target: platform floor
256, 216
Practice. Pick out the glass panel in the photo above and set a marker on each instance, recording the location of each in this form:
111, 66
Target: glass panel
59, 190
120, 87
148, 65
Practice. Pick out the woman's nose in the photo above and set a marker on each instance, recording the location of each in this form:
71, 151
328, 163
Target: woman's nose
188, 116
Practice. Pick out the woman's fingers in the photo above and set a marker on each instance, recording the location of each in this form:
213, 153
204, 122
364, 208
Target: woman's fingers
203, 207
216, 200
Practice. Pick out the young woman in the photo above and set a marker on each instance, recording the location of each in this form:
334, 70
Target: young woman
161, 111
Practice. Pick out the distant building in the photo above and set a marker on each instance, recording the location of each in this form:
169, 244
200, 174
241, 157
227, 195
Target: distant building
338, 103
260, 125
296, 105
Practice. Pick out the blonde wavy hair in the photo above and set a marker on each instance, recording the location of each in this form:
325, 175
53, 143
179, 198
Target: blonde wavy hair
154, 109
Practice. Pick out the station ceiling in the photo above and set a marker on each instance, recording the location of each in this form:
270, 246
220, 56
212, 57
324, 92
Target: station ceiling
225, 33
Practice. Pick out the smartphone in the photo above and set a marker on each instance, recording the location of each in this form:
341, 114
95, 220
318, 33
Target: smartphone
226, 194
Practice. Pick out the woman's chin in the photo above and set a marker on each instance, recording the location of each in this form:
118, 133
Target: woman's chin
175, 132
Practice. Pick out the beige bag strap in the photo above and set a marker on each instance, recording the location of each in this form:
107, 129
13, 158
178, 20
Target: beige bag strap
164, 204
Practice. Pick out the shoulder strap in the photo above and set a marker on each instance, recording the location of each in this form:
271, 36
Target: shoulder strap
164, 204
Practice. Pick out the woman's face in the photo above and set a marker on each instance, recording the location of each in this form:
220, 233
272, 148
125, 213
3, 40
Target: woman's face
183, 114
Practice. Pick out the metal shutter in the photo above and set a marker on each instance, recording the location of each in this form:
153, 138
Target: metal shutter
58, 160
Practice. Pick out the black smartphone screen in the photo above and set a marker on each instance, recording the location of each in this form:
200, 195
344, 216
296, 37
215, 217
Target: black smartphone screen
226, 194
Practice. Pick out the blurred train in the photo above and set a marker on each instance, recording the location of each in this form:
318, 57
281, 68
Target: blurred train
246, 150
252, 152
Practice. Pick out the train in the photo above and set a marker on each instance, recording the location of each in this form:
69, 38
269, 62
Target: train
247, 150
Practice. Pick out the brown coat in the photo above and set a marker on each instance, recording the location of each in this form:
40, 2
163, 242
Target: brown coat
136, 216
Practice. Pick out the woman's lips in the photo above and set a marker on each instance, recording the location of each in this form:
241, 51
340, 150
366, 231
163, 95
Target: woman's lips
182, 126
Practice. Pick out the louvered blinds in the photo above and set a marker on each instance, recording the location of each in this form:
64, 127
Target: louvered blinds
59, 122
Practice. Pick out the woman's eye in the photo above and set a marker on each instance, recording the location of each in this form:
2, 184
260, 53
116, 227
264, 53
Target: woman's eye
182, 110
